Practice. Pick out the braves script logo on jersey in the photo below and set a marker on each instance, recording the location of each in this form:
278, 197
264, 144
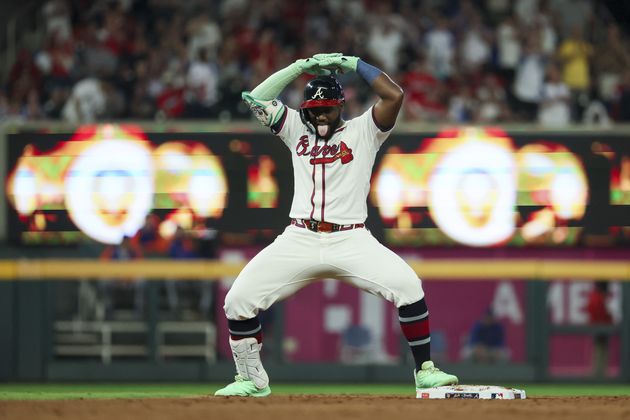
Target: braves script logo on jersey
327, 153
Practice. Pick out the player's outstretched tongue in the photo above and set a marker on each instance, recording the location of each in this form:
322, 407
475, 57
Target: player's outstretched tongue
322, 130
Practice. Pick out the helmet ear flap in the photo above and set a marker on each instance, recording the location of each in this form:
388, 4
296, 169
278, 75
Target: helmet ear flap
309, 125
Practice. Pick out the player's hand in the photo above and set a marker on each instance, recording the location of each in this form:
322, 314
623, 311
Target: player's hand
338, 62
325, 56
329, 61
311, 66
349, 63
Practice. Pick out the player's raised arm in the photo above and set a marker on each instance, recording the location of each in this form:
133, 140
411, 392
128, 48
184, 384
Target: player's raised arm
391, 95
262, 100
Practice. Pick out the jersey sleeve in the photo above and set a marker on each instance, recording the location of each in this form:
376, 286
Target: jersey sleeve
371, 131
288, 127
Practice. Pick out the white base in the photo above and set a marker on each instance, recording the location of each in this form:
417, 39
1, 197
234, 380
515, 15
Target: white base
481, 392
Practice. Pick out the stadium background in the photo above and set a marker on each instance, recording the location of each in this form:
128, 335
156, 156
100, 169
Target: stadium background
136, 185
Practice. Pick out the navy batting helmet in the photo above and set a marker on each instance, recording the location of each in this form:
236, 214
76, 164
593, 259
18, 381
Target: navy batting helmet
322, 91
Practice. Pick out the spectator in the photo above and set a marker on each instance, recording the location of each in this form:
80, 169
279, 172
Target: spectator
87, 102
508, 49
475, 45
128, 249
57, 19
486, 342
191, 299
93, 56
440, 49
525, 11
529, 79
201, 85
149, 237
572, 14
623, 105
574, 53
203, 34
384, 43
596, 114
357, 346
57, 60
206, 238
612, 58
599, 314
554, 108
9, 109
421, 102
492, 101
182, 246
461, 14
544, 25
170, 102
149, 52
180, 293
142, 103
53, 107
232, 79
32, 110
462, 105
112, 33
23, 77
497, 10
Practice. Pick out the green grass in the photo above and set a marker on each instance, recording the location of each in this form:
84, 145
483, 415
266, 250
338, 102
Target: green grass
88, 391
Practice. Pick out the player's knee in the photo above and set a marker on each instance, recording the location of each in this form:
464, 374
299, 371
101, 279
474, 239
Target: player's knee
408, 292
231, 303
237, 306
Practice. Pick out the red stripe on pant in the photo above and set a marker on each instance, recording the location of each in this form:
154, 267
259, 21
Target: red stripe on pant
414, 330
258, 337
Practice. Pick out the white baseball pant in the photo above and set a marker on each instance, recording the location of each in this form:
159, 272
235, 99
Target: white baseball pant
299, 256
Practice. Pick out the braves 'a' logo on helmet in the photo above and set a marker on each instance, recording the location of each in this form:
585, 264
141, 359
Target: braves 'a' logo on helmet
319, 93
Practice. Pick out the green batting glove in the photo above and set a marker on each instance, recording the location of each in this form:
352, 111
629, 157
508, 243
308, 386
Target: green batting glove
342, 63
311, 66
349, 63
329, 61
320, 57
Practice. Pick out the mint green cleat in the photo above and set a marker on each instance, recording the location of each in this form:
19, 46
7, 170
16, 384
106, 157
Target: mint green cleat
241, 387
430, 376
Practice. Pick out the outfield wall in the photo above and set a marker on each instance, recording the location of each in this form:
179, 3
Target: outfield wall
535, 270
560, 347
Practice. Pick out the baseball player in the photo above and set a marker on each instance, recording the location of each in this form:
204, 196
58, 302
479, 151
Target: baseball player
327, 238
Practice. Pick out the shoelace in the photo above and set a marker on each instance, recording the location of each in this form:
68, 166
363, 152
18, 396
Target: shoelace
431, 370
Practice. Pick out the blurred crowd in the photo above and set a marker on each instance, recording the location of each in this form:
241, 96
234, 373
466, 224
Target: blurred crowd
165, 240
553, 62
180, 298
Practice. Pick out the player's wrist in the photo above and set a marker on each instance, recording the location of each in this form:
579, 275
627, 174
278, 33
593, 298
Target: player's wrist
273, 85
367, 71
297, 67
349, 63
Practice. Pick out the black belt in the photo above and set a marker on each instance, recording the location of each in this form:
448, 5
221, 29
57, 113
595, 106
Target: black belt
317, 226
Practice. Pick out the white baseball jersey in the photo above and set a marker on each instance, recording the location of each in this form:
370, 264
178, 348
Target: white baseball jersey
332, 177
332, 180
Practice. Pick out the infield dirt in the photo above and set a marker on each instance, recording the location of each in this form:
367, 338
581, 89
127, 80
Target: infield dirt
316, 407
